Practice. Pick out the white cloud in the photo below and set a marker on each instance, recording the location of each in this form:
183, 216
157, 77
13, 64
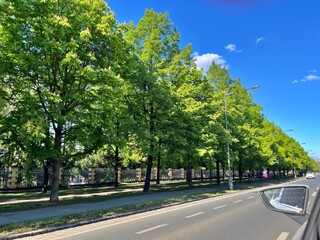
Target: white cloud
311, 77
205, 60
260, 39
232, 48
308, 78
313, 71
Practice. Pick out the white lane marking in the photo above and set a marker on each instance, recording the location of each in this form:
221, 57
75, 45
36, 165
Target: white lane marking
317, 188
237, 201
314, 194
283, 236
309, 202
196, 214
151, 229
250, 197
220, 207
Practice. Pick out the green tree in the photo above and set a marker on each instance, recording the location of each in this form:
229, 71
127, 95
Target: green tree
221, 83
156, 42
60, 61
191, 93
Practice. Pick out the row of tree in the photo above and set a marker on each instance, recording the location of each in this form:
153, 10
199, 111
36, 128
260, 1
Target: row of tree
80, 89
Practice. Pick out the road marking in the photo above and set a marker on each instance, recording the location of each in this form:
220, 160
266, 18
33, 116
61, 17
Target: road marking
250, 197
237, 201
317, 188
220, 207
151, 229
196, 214
283, 236
314, 194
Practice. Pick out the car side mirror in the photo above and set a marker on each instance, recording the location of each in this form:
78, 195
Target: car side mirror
286, 199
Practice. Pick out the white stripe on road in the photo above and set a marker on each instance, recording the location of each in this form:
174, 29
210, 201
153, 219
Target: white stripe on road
151, 229
220, 207
196, 214
250, 197
237, 201
283, 236
314, 194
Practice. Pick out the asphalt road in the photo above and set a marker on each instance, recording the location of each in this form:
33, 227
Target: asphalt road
235, 216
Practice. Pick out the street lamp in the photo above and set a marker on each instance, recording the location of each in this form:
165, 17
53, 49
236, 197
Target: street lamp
230, 183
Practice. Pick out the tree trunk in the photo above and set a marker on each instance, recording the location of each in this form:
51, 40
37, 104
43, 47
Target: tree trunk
240, 170
189, 175
116, 168
147, 181
146, 187
45, 177
54, 196
218, 171
233, 173
158, 168
223, 173
159, 162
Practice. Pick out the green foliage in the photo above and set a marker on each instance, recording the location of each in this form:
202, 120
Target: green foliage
79, 89
59, 75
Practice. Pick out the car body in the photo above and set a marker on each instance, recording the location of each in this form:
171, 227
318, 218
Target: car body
310, 175
293, 201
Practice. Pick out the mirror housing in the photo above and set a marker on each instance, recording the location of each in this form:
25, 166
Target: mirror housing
290, 199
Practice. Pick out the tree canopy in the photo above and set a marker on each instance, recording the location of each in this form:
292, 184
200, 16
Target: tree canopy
77, 85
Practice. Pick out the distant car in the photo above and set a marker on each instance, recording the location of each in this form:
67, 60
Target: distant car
310, 175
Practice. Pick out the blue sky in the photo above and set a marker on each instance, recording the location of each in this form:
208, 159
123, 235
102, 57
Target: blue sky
271, 43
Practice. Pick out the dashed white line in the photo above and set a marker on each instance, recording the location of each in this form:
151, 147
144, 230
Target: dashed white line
250, 197
237, 201
220, 207
314, 194
283, 236
151, 229
196, 214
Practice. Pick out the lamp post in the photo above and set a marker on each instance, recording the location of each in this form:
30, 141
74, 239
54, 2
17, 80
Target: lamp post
230, 183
